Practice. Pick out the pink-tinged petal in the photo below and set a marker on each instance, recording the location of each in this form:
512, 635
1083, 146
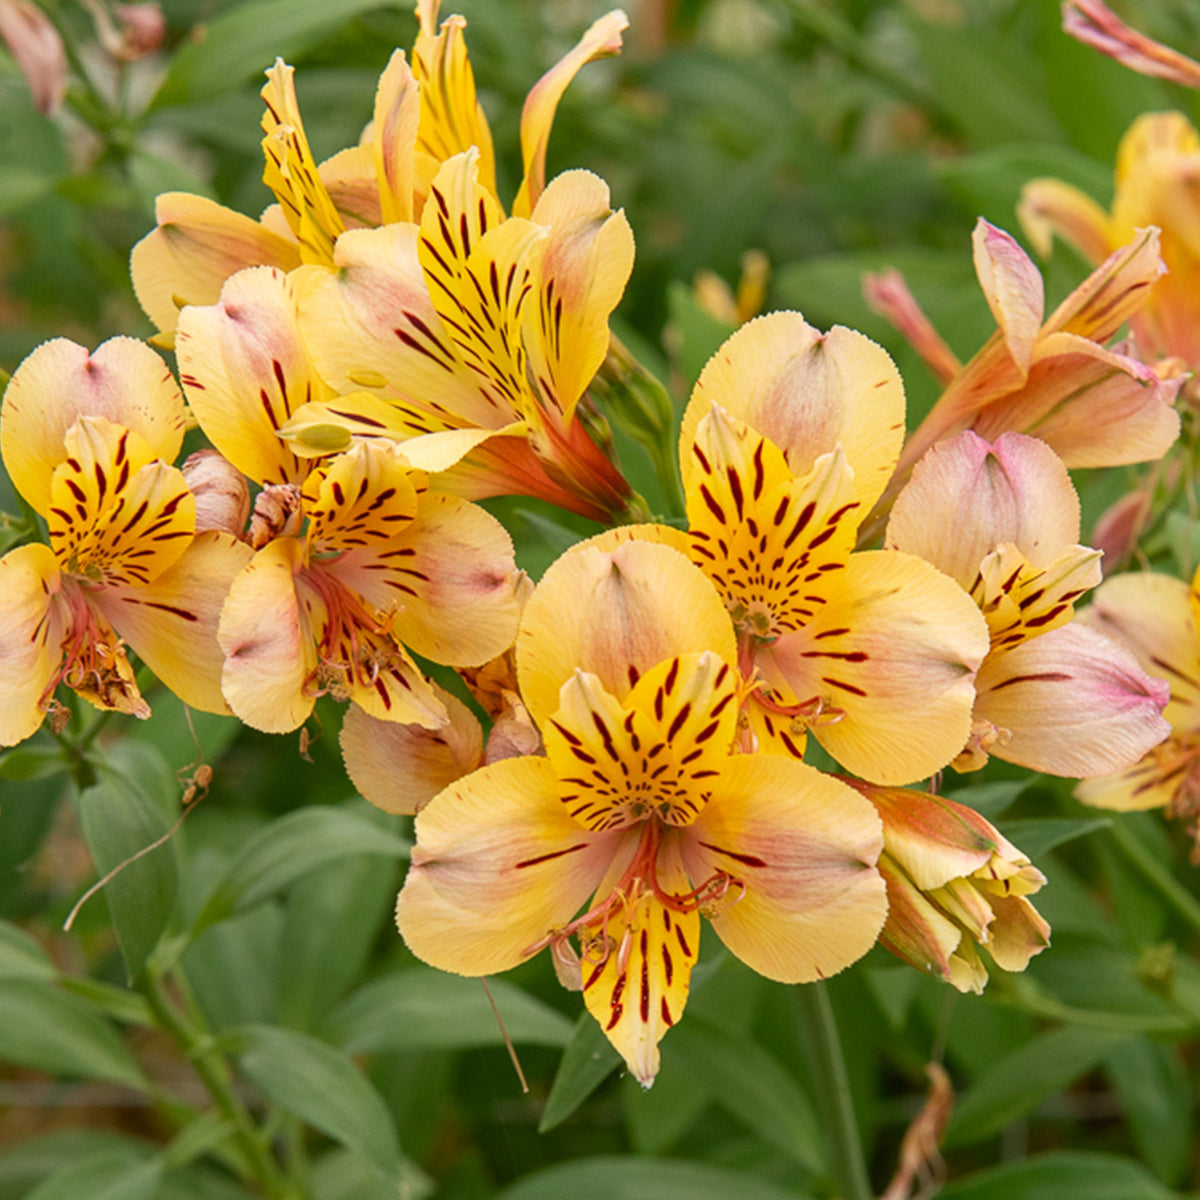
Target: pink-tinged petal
220, 490
122, 381
268, 644
587, 263
1096, 25
803, 846
888, 295
966, 497
349, 177
451, 578
245, 368
171, 624
498, 867
1113, 292
1152, 614
895, 650
370, 324
1012, 286
1094, 407
36, 46
394, 137
808, 392
615, 609
1049, 208
1075, 702
638, 989
32, 626
602, 40
197, 245
400, 768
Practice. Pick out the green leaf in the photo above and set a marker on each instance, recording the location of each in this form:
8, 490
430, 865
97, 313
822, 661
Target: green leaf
319, 1084
1036, 837
638, 1178
752, 1087
1062, 1176
21, 956
119, 821
47, 1029
279, 853
244, 41
343, 1175
587, 1061
1012, 1086
1157, 1099
117, 1002
111, 1175
419, 1008
32, 762
27, 1162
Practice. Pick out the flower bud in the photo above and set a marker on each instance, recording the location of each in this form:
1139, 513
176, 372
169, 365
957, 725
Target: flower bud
38, 51
221, 492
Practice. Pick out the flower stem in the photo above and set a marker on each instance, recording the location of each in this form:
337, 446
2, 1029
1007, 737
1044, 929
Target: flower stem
833, 1092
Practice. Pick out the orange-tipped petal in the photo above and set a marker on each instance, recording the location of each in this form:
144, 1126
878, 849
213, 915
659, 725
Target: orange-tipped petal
808, 392
888, 295
602, 40
498, 867
197, 245
615, 613
802, 849
123, 381
1075, 703
400, 768
1096, 25
245, 368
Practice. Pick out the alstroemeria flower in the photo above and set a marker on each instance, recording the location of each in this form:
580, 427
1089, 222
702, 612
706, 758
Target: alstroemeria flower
1157, 170
1158, 618
354, 562
788, 440
424, 115
954, 883
638, 814
471, 338
1003, 520
88, 441
1053, 377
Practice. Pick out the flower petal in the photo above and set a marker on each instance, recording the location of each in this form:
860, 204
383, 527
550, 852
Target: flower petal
394, 137
1049, 208
32, 626
804, 847
123, 381
615, 613
1012, 286
896, 650
498, 867
400, 768
1076, 703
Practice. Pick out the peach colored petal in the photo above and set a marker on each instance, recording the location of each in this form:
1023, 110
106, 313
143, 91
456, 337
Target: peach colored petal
122, 381
394, 138
803, 846
32, 626
1049, 208
1012, 286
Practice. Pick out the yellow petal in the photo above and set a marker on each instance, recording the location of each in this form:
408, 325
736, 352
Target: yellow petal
808, 392
896, 651
587, 263
802, 848
498, 867
350, 179
268, 644
245, 368
1049, 208
602, 39
32, 626
171, 623
400, 768
637, 970
394, 137
123, 382
615, 613
197, 245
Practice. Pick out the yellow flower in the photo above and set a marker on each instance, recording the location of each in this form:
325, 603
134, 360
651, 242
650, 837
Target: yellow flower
88, 441
1155, 185
638, 814
1003, 520
354, 560
1158, 618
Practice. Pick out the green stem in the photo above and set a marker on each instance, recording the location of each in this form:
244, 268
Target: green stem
833, 1092
214, 1072
1156, 874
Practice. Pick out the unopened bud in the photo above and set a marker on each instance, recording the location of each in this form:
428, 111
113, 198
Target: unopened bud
38, 51
143, 28
221, 492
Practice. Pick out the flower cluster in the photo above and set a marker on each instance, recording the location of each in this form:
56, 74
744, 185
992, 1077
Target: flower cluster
386, 346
